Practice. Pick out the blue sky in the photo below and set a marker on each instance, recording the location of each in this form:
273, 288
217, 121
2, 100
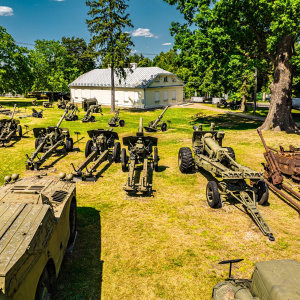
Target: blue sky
29, 20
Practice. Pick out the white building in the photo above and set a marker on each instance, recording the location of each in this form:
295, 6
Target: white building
142, 88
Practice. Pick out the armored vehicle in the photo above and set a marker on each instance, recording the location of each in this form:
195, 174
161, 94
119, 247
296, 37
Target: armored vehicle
210, 155
271, 280
116, 121
154, 125
38, 217
140, 149
101, 147
86, 103
9, 128
47, 141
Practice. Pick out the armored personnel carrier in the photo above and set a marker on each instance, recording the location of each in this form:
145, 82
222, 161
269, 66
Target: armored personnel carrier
38, 225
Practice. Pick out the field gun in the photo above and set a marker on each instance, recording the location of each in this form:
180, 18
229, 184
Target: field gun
72, 115
47, 141
9, 128
209, 154
62, 104
153, 125
47, 104
116, 121
286, 162
101, 147
37, 114
141, 153
89, 113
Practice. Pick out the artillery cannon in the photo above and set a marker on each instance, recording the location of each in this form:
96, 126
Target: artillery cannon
101, 146
47, 104
87, 103
286, 162
9, 128
47, 141
89, 114
37, 114
220, 161
271, 280
140, 149
153, 125
62, 104
116, 121
72, 115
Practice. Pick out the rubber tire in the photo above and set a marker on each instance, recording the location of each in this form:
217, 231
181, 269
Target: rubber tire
124, 160
72, 221
185, 160
164, 127
117, 152
88, 148
213, 200
231, 152
44, 283
262, 192
69, 144
122, 123
75, 118
40, 116
20, 130
92, 119
155, 159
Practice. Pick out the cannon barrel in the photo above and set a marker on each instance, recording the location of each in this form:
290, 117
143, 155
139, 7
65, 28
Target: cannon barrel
62, 118
211, 145
13, 113
159, 117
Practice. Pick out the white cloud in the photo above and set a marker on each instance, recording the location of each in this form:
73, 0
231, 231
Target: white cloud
144, 32
167, 44
6, 11
134, 51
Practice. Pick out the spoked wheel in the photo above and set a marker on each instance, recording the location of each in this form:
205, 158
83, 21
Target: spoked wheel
155, 159
164, 127
72, 221
44, 286
124, 160
212, 195
122, 123
20, 130
117, 152
262, 192
185, 160
88, 148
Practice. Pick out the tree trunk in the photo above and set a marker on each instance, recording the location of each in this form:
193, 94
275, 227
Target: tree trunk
112, 109
280, 116
244, 91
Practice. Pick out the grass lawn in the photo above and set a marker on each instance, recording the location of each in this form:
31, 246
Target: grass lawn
167, 246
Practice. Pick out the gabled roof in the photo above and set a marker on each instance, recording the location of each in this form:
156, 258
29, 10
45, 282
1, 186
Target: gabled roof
136, 78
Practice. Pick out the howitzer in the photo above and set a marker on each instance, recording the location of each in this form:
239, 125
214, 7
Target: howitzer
153, 125
276, 164
9, 128
72, 115
116, 121
47, 141
101, 147
62, 104
89, 114
37, 114
209, 154
47, 104
141, 154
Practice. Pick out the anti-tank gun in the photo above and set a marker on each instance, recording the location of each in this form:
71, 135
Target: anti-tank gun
47, 141
9, 128
209, 154
89, 114
37, 114
101, 147
116, 121
72, 115
141, 161
154, 125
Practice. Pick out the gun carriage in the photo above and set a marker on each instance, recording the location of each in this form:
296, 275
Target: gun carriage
209, 154
9, 128
141, 153
155, 125
47, 141
72, 115
116, 121
101, 147
89, 113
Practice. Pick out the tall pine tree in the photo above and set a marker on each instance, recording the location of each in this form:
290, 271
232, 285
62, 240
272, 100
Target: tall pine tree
109, 39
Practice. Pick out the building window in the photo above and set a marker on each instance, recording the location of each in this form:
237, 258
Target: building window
174, 95
156, 96
136, 97
165, 95
126, 99
166, 79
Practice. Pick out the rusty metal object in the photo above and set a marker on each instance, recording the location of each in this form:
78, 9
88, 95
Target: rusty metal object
281, 162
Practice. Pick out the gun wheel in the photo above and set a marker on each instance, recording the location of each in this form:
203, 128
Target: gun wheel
155, 159
44, 286
20, 130
117, 152
69, 144
185, 160
124, 160
212, 195
262, 192
92, 119
164, 127
75, 118
72, 221
88, 148
122, 123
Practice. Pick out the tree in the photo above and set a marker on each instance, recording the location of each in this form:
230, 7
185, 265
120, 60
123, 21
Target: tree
256, 29
107, 24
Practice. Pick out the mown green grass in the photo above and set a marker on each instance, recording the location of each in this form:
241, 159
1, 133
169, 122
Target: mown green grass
166, 246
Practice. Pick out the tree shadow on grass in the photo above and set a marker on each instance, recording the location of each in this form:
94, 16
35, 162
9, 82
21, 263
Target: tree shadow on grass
80, 276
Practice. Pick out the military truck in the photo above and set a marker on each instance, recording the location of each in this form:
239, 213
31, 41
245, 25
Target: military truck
38, 225
271, 280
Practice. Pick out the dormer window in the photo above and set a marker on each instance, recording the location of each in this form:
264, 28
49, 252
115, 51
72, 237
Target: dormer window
166, 79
